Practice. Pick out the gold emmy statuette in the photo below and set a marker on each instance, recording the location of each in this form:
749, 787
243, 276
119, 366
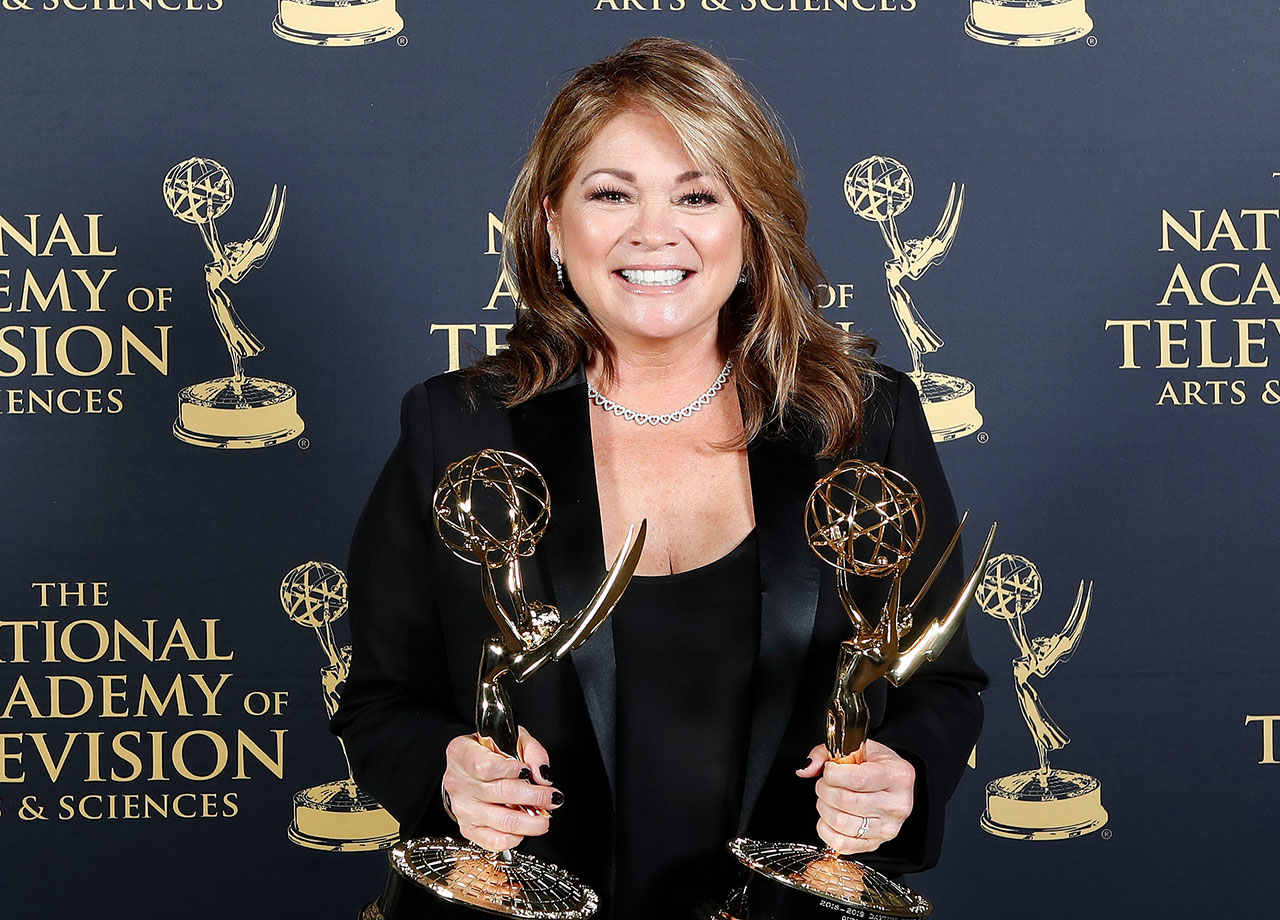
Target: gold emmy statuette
879, 189
1028, 22
337, 22
491, 509
336, 816
236, 411
864, 520
1043, 804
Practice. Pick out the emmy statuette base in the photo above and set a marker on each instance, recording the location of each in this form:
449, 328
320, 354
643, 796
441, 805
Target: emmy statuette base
337, 22
1025, 806
950, 405
791, 881
402, 899
468, 875
1026, 41
237, 415
1028, 23
339, 818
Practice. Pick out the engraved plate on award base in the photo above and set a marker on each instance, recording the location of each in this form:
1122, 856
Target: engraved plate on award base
1028, 22
337, 22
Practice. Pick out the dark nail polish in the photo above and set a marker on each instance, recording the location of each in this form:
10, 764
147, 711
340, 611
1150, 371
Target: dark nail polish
526, 774
545, 772
557, 798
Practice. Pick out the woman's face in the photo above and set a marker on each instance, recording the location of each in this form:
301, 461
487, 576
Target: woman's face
652, 247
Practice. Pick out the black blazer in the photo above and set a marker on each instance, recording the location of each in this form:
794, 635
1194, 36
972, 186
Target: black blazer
418, 621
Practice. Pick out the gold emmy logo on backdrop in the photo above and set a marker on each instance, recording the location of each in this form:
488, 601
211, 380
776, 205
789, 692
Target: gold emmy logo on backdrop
879, 189
337, 22
1043, 804
336, 816
1028, 22
235, 411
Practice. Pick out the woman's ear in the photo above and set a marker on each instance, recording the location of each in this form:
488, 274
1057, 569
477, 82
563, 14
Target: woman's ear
553, 223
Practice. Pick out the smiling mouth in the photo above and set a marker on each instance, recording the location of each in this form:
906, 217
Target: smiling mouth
655, 278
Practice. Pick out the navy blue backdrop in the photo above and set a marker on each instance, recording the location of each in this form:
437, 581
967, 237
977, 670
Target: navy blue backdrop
1117, 329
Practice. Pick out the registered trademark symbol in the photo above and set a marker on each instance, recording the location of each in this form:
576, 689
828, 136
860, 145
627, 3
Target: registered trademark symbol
404, 40
1106, 833
983, 437
1091, 41
303, 443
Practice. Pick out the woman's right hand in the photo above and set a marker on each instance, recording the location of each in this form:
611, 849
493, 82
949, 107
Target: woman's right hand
489, 792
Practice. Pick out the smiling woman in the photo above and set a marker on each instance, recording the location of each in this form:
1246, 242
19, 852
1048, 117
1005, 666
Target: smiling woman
650, 244
671, 363
665, 97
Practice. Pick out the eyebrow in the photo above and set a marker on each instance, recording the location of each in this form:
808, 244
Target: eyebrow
626, 176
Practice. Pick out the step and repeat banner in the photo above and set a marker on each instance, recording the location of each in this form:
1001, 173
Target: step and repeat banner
233, 232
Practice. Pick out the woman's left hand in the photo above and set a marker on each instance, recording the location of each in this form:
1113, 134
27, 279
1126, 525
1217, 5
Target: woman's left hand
880, 789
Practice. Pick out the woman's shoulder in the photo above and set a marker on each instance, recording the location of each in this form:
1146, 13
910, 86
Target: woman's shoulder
888, 389
441, 408
890, 404
448, 393
462, 392
449, 411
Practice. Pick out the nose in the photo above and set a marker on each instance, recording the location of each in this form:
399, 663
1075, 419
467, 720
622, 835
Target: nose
654, 226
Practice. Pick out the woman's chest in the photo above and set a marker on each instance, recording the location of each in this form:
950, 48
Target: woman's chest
695, 497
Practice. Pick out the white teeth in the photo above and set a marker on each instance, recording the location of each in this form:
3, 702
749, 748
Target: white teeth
646, 276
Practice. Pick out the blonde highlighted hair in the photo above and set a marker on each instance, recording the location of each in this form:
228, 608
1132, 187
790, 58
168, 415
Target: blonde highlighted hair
793, 369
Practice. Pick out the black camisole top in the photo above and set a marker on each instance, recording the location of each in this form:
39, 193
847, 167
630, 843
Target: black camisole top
686, 646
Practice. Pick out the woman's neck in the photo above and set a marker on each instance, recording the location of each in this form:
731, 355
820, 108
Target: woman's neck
660, 377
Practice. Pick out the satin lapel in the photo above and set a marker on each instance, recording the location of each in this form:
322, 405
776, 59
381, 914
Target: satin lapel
554, 431
783, 474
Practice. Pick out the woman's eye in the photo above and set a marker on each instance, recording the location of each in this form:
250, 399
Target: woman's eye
608, 194
699, 198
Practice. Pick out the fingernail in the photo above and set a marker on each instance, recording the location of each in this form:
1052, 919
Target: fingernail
545, 772
557, 798
526, 774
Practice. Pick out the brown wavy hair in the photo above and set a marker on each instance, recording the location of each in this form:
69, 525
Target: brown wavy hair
794, 370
